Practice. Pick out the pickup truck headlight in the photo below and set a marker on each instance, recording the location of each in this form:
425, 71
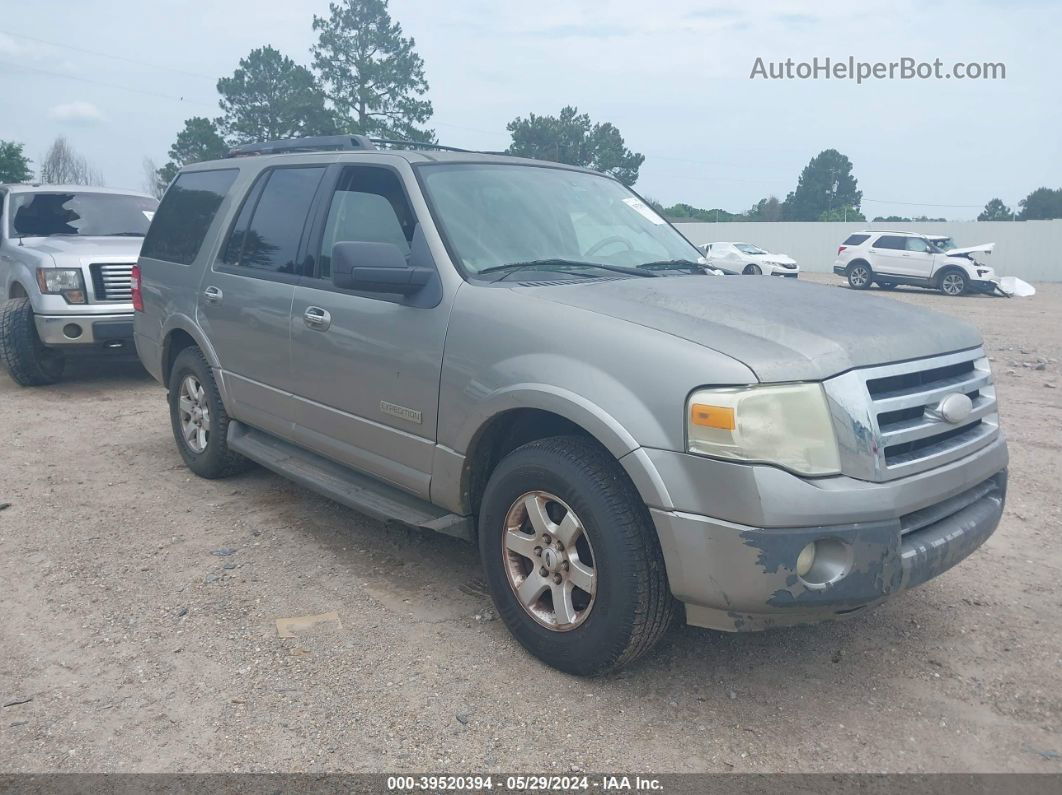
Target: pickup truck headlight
66, 282
785, 424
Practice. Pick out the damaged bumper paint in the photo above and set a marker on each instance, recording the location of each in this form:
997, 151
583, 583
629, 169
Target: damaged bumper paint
742, 578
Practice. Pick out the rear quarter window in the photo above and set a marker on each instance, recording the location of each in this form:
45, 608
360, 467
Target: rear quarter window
855, 240
185, 214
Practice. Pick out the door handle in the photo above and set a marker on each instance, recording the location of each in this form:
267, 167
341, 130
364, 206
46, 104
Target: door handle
213, 295
317, 318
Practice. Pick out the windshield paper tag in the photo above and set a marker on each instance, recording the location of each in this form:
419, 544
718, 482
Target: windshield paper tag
641, 207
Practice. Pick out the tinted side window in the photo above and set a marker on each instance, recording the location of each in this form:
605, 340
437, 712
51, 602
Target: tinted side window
890, 241
270, 241
368, 205
185, 214
855, 240
230, 255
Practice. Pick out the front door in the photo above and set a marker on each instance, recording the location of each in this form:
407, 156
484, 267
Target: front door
245, 298
366, 366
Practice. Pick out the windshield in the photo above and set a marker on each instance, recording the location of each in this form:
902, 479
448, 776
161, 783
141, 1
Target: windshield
943, 243
495, 215
748, 248
44, 214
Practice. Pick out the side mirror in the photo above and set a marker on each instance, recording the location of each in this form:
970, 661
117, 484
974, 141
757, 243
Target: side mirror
376, 268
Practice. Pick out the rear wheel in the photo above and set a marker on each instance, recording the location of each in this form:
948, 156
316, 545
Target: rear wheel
953, 283
571, 557
753, 270
860, 276
28, 360
200, 423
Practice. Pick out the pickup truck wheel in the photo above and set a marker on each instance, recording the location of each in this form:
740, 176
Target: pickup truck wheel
28, 360
198, 417
860, 276
953, 283
571, 557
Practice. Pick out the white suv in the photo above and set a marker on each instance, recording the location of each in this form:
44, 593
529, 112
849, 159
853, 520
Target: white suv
889, 258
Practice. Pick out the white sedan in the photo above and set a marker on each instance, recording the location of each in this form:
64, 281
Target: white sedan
749, 259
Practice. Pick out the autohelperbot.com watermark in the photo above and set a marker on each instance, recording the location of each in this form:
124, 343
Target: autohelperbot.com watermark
862, 71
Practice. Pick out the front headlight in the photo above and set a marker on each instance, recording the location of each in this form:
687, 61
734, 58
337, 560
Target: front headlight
786, 424
66, 282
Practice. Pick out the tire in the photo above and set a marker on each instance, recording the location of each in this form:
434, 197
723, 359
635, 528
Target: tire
28, 360
753, 270
576, 489
860, 275
887, 285
953, 283
206, 452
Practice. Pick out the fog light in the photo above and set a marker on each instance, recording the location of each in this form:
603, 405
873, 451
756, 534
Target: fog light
805, 560
72, 331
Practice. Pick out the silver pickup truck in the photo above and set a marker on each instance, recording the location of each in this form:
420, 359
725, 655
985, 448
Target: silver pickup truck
527, 356
66, 253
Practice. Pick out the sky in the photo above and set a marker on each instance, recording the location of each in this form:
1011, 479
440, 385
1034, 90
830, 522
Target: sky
118, 79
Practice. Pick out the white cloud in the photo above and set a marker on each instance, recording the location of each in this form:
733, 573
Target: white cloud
78, 112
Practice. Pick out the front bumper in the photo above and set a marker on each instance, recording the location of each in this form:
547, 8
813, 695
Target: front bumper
108, 331
884, 539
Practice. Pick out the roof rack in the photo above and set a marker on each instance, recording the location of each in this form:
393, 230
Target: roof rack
415, 145
313, 143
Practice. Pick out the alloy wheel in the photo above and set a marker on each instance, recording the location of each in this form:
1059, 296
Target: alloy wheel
953, 284
859, 276
548, 560
194, 414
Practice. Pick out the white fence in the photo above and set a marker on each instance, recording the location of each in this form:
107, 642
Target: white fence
1031, 250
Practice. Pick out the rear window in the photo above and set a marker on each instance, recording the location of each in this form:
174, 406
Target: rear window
855, 240
891, 241
185, 215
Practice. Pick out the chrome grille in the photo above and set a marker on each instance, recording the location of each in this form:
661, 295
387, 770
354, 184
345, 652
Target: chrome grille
112, 281
887, 419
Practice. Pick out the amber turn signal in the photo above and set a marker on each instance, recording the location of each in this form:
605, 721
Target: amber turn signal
713, 416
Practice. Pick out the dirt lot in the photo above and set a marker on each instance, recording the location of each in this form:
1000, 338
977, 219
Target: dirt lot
139, 604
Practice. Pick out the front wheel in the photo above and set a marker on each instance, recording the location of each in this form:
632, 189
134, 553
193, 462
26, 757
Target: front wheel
571, 557
953, 283
200, 423
753, 270
859, 276
28, 360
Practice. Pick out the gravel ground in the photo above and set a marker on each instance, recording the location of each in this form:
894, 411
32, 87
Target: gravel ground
139, 604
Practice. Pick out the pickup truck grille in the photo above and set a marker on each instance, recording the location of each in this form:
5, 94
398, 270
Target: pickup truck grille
112, 281
901, 431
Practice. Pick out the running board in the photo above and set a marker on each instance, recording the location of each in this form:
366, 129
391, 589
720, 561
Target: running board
360, 492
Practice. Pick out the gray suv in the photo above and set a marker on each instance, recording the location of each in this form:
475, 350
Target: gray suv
525, 355
66, 254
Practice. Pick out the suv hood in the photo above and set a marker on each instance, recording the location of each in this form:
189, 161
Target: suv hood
781, 329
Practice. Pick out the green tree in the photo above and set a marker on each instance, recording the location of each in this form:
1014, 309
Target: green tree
844, 213
371, 74
270, 97
996, 210
571, 138
14, 165
768, 209
1041, 205
825, 183
198, 141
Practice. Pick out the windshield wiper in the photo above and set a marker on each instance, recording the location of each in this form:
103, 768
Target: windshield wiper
674, 265
559, 265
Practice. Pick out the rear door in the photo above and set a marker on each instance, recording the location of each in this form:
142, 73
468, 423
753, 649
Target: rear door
887, 255
366, 366
244, 302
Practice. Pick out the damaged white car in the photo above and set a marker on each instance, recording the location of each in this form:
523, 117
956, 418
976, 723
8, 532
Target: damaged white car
890, 258
749, 260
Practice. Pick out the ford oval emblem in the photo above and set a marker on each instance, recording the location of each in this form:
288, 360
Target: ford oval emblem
954, 408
